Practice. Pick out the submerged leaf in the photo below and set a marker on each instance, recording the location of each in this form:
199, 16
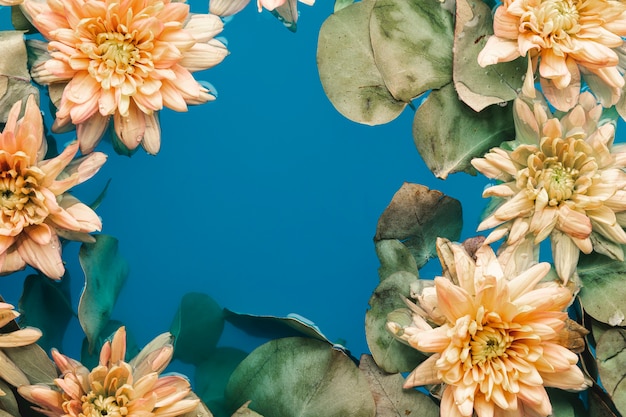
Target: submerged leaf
8, 403
15, 82
197, 327
603, 294
394, 256
481, 87
105, 273
33, 362
448, 134
347, 69
244, 411
391, 399
611, 358
300, 377
389, 353
412, 45
417, 216
91, 358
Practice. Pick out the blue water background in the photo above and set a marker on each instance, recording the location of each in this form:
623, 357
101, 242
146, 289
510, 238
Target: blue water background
266, 199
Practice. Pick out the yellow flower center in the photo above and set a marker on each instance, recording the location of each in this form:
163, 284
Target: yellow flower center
117, 52
100, 405
21, 204
488, 344
552, 20
559, 182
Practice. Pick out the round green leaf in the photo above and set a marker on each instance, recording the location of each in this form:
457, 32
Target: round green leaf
448, 134
603, 294
394, 256
412, 44
481, 87
611, 358
347, 69
197, 327
300, 377
105, 273
390, 354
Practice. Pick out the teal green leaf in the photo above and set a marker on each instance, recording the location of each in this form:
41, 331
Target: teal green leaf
33, 362
389, 353
213, 374
417, 216
563, 403
448, 134
15, 83
347, 69
394, 256
300, 377
481, 87
197, 327
91, 358
105, 273
611, 358
603, 294
272, 327
45, 304
391, 399
412, 44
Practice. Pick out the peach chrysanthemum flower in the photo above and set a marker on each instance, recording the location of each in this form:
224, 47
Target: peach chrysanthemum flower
566, 38
35, 208
230, 7
564, 179
125, 60
114, 388
493, 338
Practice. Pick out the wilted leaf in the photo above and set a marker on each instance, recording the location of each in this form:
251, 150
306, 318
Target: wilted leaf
412, 44
45, 305
300, 377
34, 363
347, 69
394, 256
390, 398
213, 374
105, 273
14, 76
197, 327
611, 358
448, 134
481, 87
600, 405
272, 327
390, 354
603, 294
417, 216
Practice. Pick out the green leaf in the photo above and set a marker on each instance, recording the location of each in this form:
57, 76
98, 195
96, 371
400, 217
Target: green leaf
448, 134
197, 327
611, 358
347, 69
412, 44
244, 411
603, 294
213, 374
105, 273
8, 403
481, 87
417, 216
340, 4
33, 362
391, 399
300, 377
90, 358
45, 304
394, 256
390, 354
14, 76
272, 327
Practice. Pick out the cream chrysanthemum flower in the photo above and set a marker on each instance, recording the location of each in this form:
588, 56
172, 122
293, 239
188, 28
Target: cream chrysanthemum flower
564, 179
35, 208
114, 388
493, 338
566, 38
126, 60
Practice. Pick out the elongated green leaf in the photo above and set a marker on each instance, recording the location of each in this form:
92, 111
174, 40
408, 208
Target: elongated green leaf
197, 327
603, 294
300, 377
390, 354
33, 362
417, 216
14, 76
412, 44
391, 399
8, 402
481, 87
105, 273
611, 357
347, 69
448, 134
